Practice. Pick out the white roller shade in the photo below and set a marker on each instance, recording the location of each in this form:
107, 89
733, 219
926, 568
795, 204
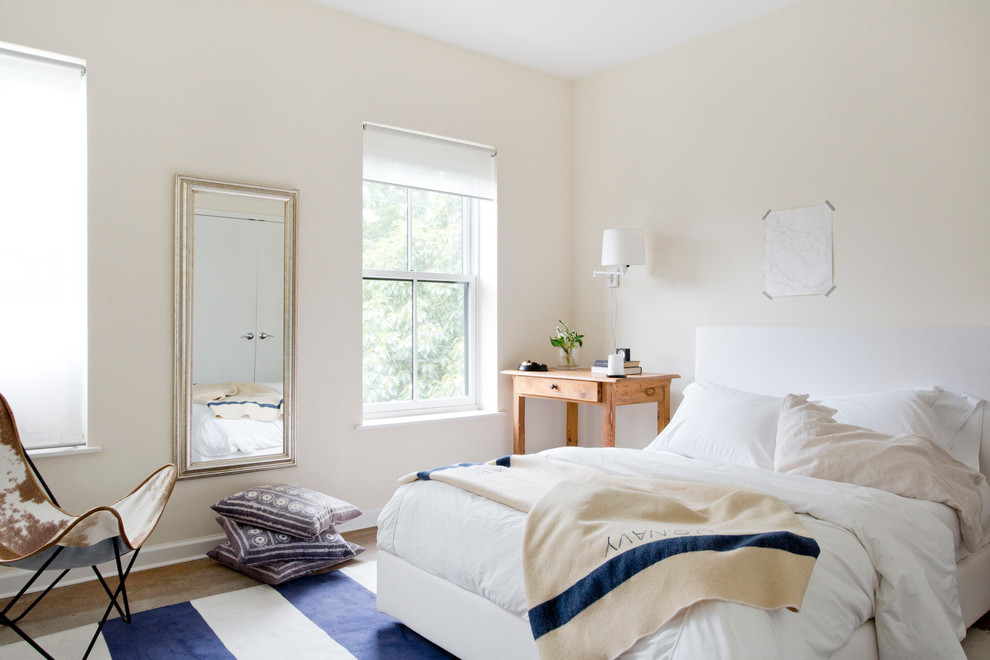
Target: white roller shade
43, 340
431, 163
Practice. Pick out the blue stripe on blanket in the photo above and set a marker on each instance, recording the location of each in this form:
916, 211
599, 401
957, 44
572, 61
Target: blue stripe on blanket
174, 631
353, 620
425, 475
245, 402
557, 611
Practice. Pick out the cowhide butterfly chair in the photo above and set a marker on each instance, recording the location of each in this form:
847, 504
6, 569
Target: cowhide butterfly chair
37, 535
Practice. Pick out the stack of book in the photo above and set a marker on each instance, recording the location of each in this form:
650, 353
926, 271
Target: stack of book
629, 367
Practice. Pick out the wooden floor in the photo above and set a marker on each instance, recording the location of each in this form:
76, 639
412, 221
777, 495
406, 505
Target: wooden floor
80, 604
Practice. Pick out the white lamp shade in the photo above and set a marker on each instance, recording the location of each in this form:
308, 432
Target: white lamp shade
623, 247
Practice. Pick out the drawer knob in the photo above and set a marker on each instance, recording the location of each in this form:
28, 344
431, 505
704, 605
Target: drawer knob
553, 386
650, 391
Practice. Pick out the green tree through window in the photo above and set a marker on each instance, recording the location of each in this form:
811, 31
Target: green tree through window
418, 289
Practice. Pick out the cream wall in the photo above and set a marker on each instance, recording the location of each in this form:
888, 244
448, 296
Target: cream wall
274, 92
879, 107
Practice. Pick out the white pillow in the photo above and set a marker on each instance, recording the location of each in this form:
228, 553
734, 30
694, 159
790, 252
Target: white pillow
952, 420
898, 412
960, 422
723, 425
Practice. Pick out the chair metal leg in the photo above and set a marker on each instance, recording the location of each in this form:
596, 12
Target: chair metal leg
37, 574
27, 638
38, 598
125, 613
119, 593
12, 622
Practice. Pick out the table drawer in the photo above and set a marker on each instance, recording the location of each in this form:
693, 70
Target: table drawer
562, 388
634, 390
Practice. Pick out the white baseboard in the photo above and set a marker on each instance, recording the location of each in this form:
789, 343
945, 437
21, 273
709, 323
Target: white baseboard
152, 556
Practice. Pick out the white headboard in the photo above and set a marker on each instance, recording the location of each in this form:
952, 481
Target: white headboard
824, 361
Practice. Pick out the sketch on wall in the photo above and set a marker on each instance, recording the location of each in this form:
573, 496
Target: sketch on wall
798, 251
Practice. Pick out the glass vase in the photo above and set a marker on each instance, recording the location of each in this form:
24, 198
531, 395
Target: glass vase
567, 359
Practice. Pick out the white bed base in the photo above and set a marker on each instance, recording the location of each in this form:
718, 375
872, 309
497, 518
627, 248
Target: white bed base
462, 622
770, 360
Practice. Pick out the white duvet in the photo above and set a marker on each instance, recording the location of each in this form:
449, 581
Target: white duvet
883, 556
213, 437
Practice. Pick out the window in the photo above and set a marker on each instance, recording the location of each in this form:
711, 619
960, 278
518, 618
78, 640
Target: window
43, 338
423, 199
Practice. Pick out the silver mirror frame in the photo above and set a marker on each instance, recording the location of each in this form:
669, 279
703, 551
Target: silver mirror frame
186, 188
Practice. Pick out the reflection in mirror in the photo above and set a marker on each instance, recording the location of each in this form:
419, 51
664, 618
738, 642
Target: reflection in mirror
234, 314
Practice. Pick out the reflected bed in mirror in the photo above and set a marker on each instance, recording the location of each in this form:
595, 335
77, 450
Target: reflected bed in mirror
234, 326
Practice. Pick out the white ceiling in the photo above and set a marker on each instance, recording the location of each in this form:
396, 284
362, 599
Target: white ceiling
567, 38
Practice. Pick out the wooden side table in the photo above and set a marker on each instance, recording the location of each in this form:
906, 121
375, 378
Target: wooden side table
583, 386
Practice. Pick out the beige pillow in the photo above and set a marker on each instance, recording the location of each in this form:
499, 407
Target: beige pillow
811, 443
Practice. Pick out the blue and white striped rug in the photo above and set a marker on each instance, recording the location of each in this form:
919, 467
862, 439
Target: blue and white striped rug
330, 615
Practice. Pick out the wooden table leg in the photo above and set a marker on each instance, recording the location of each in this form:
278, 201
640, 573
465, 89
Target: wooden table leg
518, 423
663, 410
572, 424
608, 416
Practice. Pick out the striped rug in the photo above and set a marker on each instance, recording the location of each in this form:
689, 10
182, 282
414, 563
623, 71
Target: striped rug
330, 615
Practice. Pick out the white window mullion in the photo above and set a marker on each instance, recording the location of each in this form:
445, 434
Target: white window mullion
467, 235
409, 232
472, 249
414, 284
415, 347
426, 277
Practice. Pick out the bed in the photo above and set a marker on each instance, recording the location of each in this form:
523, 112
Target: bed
218, 438
449, 560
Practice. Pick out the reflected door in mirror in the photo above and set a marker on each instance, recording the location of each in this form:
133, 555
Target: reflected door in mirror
238, 299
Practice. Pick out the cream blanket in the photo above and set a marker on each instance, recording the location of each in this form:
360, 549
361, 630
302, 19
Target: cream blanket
811, 443
234, 400
607, 560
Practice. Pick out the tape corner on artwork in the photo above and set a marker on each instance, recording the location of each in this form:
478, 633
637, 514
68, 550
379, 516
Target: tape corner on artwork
769, 297
829, 204
769, 211
829, 292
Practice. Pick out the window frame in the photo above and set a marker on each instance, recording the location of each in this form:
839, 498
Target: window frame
469, 276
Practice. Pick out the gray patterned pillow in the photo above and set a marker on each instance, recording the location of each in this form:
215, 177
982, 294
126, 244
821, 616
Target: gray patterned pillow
276, 573
255, 545
286, 508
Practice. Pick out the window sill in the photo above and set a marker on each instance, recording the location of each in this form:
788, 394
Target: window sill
424, 419
63, 451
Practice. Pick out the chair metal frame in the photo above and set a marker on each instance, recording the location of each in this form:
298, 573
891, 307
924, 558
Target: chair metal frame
122, 544
120, 592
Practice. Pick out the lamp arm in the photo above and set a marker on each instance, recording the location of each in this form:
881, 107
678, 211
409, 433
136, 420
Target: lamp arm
612, 276
619, 270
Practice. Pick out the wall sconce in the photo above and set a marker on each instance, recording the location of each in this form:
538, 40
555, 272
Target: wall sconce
621, 248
